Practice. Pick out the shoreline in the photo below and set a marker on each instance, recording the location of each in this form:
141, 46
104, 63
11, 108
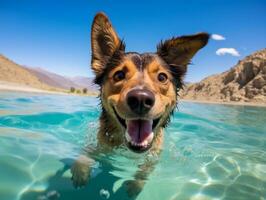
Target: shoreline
14, 87
224, 103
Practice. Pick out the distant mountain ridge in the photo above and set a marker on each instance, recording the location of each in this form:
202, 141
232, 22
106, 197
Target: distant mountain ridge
84, 82
245, 82
63, 82
14, 73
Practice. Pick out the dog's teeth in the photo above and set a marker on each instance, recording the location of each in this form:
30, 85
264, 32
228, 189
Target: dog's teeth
150, 137
145, 143
128, 137
142, 144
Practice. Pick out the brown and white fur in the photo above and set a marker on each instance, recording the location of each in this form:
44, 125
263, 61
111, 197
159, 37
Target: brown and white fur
138, 93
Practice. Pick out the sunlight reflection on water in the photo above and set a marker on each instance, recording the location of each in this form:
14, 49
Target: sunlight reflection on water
210, 151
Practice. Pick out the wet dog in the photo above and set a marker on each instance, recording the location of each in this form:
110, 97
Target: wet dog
138, 93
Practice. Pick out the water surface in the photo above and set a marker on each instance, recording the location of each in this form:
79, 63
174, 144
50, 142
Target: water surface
210, 152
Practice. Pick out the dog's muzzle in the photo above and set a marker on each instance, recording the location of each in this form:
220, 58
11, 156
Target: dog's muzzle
139, 130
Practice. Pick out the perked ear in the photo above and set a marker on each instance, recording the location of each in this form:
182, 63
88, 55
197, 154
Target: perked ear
104, 42
177, 52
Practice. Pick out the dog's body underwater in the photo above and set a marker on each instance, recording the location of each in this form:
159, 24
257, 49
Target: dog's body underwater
138, 93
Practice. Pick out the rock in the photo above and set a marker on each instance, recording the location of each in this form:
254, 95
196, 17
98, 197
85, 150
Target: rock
259, 82
236, 97
199, 86
246, 81
246, 74
229, 77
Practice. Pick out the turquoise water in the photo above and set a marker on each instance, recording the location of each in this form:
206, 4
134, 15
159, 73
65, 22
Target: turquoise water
210, 152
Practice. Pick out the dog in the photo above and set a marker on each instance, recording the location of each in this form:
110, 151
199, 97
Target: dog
138, 94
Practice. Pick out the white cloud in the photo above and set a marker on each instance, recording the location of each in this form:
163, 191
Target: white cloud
223, 51
217, 37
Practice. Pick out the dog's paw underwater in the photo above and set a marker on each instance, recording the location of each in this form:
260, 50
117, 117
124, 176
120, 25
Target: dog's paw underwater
81, 170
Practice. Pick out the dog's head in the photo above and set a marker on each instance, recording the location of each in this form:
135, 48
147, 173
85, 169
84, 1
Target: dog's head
139, 91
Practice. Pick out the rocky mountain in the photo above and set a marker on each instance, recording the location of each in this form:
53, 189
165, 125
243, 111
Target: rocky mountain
245, 82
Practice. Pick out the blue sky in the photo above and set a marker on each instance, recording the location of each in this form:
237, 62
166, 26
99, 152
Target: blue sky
55, 35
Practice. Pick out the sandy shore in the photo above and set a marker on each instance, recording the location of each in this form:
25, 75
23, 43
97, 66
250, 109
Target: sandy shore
225, 103
6, 86
23, 88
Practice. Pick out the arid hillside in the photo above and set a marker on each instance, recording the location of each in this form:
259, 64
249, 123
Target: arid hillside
245, 82
14, 73
20, 76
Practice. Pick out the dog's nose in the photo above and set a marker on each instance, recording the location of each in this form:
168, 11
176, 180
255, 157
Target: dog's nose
140, 101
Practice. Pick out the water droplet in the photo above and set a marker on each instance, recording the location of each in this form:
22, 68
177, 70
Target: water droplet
42, 197
53, 195
104, 194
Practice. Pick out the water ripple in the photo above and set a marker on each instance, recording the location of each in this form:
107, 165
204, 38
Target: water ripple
209, 152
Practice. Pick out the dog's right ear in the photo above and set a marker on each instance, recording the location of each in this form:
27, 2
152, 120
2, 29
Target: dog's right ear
177, 52
104, 42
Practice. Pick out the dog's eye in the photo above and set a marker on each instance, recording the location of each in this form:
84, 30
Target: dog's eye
162, 77
119, 75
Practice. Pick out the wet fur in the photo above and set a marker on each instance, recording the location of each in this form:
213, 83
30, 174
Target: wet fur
108, 56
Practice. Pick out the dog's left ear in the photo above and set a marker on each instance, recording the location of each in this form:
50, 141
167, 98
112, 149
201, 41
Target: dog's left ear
104, 42
177, 52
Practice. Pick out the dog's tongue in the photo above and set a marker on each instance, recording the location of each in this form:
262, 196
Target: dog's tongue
139, 130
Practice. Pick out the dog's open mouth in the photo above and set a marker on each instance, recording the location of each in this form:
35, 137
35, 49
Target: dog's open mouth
139, 133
